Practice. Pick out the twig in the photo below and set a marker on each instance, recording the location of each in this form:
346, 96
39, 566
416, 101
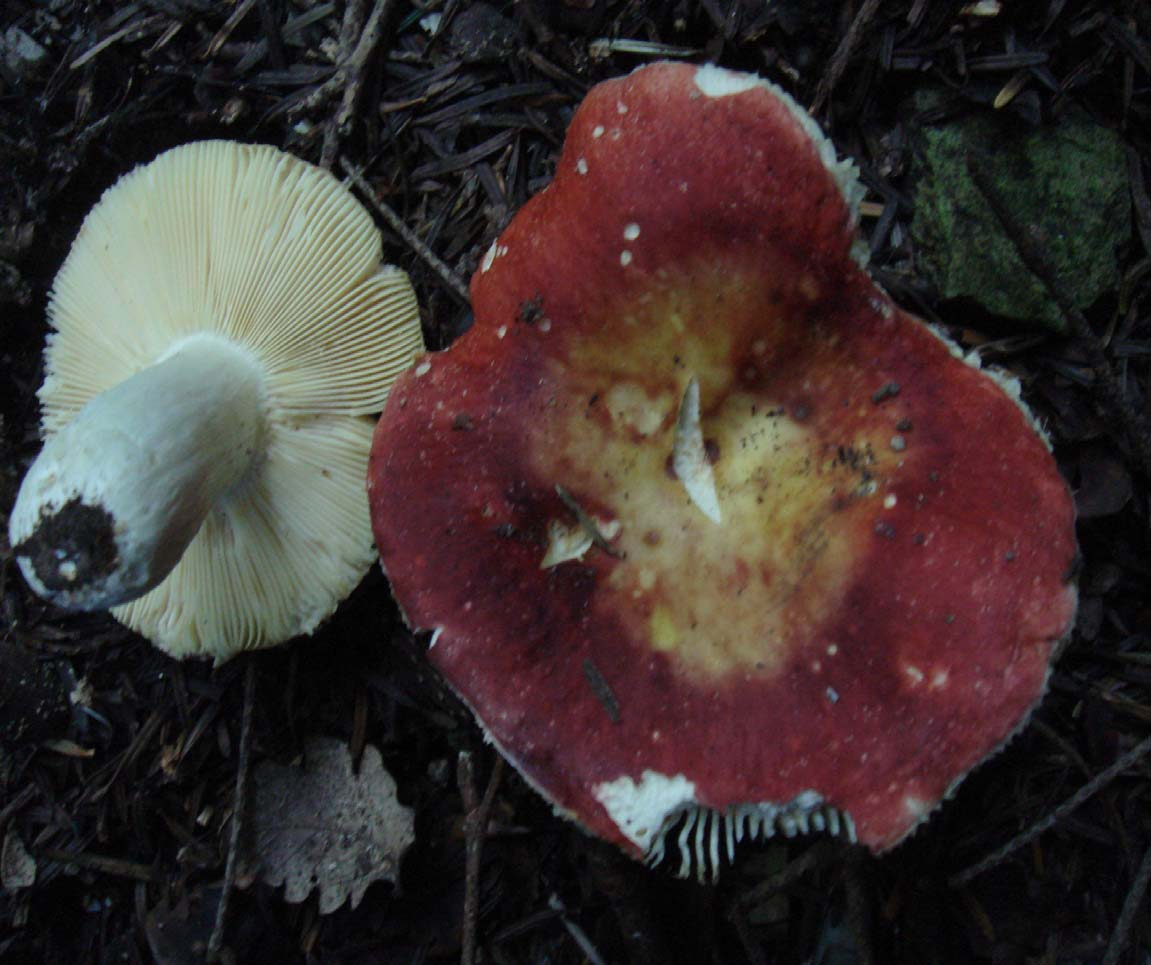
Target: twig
18, 802
367, 43
858, 907
143, 736
348, 77
1027, 240
626, 887
602, 689
586, 522
843, 54
354, 80
235, 18
323, 92
97, 862
478, 813
136, 30
449, 277
737, 915
1122, 933
1139, 197
350, 28
270, 24
239, 802
578, 935
1101, 780
820, 853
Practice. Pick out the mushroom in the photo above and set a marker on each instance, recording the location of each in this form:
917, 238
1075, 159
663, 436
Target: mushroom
827, 558
223, 331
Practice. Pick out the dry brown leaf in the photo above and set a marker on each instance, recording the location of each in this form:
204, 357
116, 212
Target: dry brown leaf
321, 826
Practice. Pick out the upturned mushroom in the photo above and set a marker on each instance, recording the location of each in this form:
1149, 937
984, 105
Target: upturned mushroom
714, 538
223, 331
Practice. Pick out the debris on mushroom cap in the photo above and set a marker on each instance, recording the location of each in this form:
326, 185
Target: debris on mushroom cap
869, 608
223, 332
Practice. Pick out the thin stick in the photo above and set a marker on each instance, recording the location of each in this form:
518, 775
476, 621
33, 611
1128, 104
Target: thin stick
843, 54
1101, 780
348, 74
239, 802
270, 24
321, 93
449, 277
19, 801
578, 935
858, 907
1026, 240
350, 29
1131, 904
475, 828
367, 44
821, 852
234, 19
353, 71
98, 862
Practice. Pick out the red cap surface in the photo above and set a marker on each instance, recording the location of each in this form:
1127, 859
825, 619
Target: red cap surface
850, 600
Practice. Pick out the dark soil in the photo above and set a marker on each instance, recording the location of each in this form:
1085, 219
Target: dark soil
119, 764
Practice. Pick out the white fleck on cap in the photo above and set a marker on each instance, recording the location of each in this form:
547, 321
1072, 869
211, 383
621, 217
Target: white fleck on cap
223, 332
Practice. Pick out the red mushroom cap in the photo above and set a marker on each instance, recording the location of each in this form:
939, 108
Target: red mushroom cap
703, 523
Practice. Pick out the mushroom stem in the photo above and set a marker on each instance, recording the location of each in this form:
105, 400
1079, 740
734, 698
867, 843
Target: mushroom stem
115, 497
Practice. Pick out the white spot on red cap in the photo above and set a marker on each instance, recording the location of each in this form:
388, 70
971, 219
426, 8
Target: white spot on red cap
489, 258
423, 368
639, 808
631, 231
914, 673
625, 258
916, 806
598, 130
717, 82
882, 307
581, 166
